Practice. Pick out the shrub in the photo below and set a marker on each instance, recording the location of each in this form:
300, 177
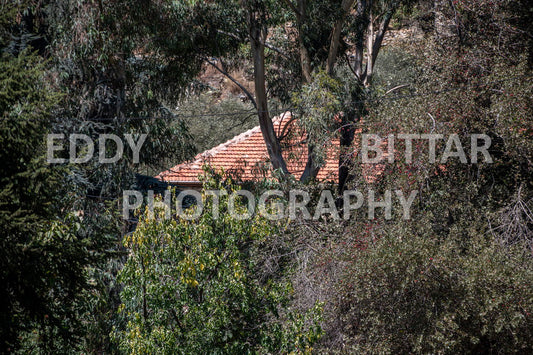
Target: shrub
416, 294
195, 287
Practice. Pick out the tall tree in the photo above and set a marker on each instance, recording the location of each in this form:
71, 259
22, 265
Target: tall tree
60, 263
324, 32
258, 30
106, 58
42, 258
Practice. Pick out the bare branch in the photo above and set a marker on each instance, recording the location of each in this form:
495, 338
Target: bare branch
233, 35
268, 45
350, 66
277, 50
397, 88
285, 130
225, 73
434, 122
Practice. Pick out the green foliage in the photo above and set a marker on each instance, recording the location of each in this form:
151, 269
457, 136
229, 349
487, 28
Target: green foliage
42, 257
470, 218
394, 67
414, 294
194, 287
319, 104
435, 284
475, 90
70, 279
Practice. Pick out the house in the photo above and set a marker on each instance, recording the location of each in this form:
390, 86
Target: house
245, 156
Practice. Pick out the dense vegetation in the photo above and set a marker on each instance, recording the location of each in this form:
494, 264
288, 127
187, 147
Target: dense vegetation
454, 278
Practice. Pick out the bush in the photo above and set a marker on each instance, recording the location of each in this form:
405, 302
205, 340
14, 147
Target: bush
418, 295
194, 287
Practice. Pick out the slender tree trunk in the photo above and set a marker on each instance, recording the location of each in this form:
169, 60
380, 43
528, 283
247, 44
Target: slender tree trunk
305, 58
374, 43
305, 61
336, 36
361, 10
352, 116
369, 52
311, 169
258, 34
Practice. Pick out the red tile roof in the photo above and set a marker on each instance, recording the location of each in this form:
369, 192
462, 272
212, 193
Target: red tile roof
246, 156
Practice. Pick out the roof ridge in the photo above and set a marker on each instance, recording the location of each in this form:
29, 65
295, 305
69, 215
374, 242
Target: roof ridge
199, 158
236, 139
239, 138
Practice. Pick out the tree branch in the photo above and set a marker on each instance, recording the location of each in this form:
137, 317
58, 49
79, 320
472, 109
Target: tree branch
268, 45
350, 65
277, 50
285, 130
396, 88
292, 7
232, 35
384, 25
335, 36
225, 73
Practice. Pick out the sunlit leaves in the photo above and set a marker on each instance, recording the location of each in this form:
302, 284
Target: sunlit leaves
191, 286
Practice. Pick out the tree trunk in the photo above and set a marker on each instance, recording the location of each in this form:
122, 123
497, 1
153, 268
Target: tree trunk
374, 42
350, 117
305, 59
347, 134
258, 34
336, 36
311, 169
374, 45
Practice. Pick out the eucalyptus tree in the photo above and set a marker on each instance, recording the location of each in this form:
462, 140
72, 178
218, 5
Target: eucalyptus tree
355, 35
324, 33
117, 63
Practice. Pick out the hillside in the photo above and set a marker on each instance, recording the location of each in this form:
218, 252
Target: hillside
389, 210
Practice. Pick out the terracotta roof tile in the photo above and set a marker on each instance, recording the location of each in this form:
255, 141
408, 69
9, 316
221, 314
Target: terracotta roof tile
247, 156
